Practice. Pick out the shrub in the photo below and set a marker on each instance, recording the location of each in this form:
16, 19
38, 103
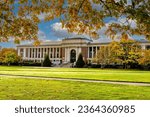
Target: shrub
47, 62
80, 62
30, 63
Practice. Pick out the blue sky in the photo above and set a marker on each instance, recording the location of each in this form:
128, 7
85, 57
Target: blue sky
53, 30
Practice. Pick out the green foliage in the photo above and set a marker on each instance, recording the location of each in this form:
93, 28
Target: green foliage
103, 56
80, 62
125, 52
145, 59
9, 56
46, 62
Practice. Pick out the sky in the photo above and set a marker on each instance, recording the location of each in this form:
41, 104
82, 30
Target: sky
53, 30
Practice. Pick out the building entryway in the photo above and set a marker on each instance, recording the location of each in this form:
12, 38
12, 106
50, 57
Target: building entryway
72, 56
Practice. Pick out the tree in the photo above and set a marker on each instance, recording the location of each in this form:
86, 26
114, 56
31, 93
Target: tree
80, 62
103, 56
82, 16
126, 51
145, 59
9, 56
46, 62
13, 25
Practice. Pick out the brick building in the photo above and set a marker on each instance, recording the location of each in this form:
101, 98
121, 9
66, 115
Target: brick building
64, 51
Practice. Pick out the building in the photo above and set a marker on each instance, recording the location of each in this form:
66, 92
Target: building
64, 51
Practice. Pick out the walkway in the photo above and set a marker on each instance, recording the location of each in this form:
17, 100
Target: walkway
76, 80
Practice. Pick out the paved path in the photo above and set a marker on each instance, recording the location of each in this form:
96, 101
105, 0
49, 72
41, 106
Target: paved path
76, 80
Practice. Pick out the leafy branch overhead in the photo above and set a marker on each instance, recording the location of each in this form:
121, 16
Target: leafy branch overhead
81, 16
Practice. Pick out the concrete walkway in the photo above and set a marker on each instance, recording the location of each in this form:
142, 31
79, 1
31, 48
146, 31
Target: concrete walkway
76, 80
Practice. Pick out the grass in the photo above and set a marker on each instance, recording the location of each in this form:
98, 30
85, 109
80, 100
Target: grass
49, 90
22, 88
95, 74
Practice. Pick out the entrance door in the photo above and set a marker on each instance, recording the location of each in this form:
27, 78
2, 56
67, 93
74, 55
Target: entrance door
72, 56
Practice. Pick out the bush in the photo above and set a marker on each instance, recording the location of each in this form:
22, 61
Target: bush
30, 63
80, 62
46, 62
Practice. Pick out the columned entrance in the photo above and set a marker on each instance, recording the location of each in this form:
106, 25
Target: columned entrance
72, 56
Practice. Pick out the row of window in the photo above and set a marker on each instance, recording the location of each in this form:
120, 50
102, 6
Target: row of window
92, 51
41, 52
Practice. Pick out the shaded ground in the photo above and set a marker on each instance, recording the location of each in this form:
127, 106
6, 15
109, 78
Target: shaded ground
77, 73
77, 80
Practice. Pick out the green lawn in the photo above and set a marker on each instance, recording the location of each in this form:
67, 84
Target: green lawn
21, 88
96, 74
47, 89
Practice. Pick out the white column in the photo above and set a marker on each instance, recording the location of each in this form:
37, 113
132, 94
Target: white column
18, 51
65, 54
40, 54
28, 53
96, 50
59, 52
68, 54
24, 52
53, 53
37, 52
143, 47
49, 54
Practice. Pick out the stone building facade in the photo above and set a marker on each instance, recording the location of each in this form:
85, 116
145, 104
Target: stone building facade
64, 51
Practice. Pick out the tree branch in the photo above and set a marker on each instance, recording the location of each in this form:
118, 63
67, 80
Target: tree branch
81, 5
106, 7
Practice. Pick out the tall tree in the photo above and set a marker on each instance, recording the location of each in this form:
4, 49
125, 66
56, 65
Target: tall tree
126, 51
103, 56
145, 59
81, 16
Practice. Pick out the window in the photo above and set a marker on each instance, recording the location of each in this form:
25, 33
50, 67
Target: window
148, 47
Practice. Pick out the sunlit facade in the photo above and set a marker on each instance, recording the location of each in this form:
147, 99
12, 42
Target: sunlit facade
64, 51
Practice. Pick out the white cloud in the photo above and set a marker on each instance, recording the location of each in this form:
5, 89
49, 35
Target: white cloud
42, 16
125, 21
60, 32
41, 35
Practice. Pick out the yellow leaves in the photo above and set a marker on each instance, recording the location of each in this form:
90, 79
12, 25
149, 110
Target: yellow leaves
35, 19
22, 1
68, 25
124, 36
49, 17
37, 43
145, 59
94, 34
17, 41
86, 9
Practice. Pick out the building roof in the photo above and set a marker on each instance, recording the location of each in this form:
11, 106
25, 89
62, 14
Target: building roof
69, 41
